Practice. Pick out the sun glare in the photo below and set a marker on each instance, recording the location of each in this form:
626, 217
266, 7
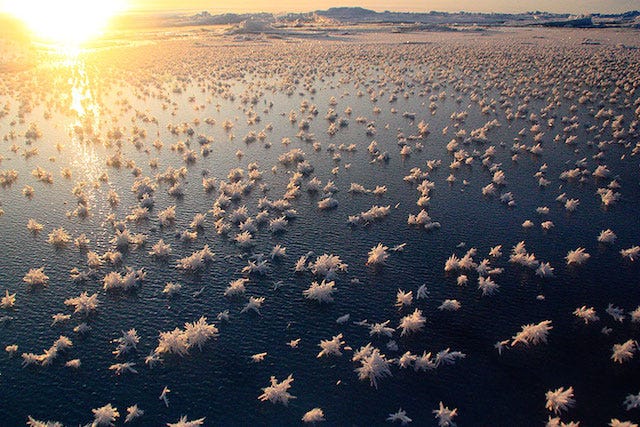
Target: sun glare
66, 22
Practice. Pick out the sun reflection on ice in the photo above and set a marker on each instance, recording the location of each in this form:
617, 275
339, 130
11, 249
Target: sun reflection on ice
83, 129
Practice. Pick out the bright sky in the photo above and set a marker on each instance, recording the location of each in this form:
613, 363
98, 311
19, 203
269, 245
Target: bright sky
74, 22
222, 6
509, 6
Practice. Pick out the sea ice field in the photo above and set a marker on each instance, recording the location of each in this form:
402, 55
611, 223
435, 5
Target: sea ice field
363, 228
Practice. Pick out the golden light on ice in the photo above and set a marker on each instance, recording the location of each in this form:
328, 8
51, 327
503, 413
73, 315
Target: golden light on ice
67, 22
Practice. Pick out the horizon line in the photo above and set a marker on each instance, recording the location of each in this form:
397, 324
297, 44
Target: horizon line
221, 11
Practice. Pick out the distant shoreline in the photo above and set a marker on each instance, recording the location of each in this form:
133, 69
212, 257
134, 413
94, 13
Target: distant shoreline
351, 16
356, 15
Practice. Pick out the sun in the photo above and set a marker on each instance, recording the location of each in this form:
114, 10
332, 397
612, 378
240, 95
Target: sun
65, 22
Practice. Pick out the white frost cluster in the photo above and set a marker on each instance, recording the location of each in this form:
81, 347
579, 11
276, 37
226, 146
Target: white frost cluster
84, 304
129, 340
331, 347
277, 392
422, 219
559, 400
373, 365
49, 355
577, 257
624, 352
197, 260
445, 416
320, 292
185, 422
413, 322
587, 314
116, 281
104, 416
378, 255
315, 415
327, 266
160, 249
400, 416
375, 213
36, 277
533, 334
179, 341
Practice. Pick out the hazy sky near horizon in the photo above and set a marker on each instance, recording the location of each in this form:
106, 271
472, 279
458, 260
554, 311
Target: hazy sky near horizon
508, 6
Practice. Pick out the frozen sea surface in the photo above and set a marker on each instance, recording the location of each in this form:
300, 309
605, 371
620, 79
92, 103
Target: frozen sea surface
87, 109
